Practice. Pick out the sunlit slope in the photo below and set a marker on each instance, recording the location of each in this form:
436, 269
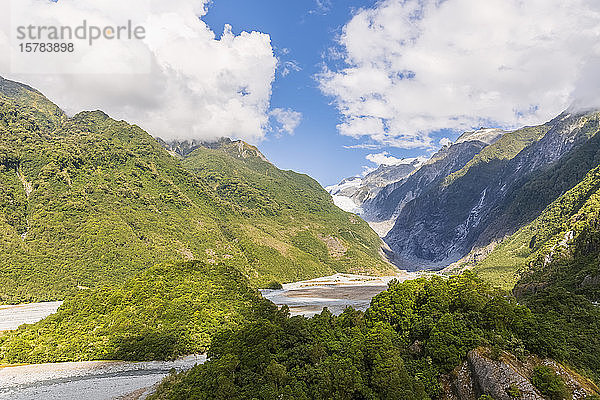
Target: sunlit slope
89, 200
162, 312
560, 247
288, 212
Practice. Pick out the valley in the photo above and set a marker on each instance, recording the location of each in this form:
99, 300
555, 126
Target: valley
125, 254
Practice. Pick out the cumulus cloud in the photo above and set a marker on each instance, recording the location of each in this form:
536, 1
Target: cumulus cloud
411, 67
445, 142
384, 158
286, 120
182, 81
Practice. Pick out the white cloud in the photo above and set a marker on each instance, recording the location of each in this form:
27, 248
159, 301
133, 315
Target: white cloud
289, 66
286, 119
384, 158
369, 146
445, 142
417, 66
195, 84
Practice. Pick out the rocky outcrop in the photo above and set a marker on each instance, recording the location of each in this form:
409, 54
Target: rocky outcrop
352, 192
502, 188
505, 377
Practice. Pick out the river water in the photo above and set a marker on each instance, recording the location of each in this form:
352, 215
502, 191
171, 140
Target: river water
336, 292
99, 380
94, 380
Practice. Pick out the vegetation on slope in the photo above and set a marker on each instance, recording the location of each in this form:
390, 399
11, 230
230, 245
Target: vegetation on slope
163, 312
291, 213
88, 201
544, 186
505, 148
559, 247
412, 333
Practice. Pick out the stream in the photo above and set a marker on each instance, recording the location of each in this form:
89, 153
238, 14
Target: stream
336, 292
99, 380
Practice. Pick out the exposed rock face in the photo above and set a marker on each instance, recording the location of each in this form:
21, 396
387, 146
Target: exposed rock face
235, 148
389, 202
352, 192
497, 378
506, 378
490, 197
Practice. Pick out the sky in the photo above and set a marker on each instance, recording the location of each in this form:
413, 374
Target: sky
324, 87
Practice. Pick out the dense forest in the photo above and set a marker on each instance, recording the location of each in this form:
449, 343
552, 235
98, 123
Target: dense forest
87, 201
163, 312
411, 335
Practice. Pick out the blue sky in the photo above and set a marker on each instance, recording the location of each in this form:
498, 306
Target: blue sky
401, 76
307, 31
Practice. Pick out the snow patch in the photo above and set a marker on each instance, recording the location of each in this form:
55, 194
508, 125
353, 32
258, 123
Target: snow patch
346, 204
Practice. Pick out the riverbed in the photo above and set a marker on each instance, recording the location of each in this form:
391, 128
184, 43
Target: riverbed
13, 316
336, 292
94, 380
99, 380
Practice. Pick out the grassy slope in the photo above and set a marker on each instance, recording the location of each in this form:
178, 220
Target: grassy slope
576, 211
293, 215
161, 313
504, 149
107, 201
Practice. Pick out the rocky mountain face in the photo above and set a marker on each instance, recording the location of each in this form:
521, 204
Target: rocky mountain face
384, 208
381, 195
352, 192
503, 187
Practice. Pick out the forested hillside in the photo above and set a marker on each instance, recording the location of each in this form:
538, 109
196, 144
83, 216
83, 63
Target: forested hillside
163, 312
560, 247
408, 345
88, 200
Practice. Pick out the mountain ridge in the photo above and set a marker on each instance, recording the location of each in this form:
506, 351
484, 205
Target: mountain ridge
88, 200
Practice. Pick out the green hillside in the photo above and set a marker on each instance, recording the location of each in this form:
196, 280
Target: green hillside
560, 246
88, 200
400, 348
285, 211
493, 157
163, 312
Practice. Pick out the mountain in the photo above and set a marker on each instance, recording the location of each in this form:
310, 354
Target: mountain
352, 192
87, 201
560, 248
381, 195
384, 208
499, 189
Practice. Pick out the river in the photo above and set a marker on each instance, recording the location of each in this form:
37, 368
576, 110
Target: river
99, 380
336, 292
94, 380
